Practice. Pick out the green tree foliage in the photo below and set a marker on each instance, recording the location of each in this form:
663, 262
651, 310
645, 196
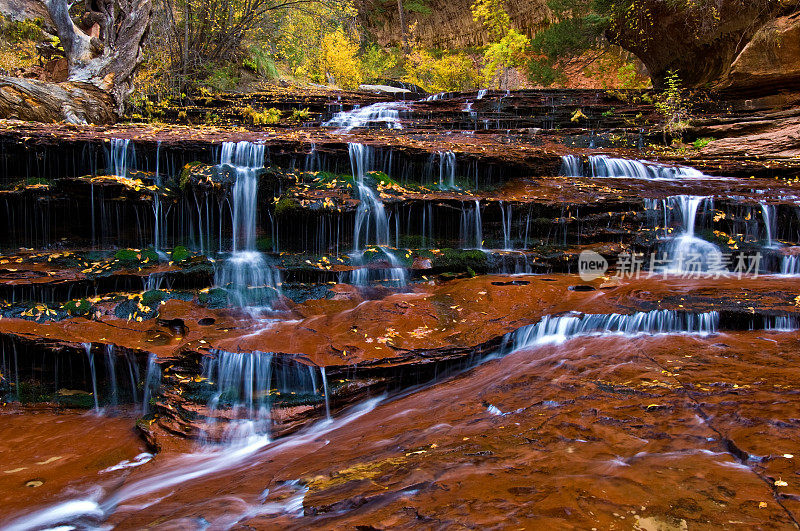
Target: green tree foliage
509, 48
673, 105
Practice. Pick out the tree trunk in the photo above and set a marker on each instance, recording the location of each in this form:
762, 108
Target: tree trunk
403, 40
101, 66
40, 101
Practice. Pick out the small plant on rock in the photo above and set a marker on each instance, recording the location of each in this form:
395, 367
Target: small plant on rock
673, 105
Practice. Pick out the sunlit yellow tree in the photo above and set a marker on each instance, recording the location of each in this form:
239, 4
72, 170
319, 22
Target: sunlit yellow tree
509, 48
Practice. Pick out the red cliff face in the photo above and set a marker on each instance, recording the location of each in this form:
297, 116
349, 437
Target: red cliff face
704, 44
448, 25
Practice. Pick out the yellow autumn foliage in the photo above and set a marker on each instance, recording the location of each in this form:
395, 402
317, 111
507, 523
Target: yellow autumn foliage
339, 60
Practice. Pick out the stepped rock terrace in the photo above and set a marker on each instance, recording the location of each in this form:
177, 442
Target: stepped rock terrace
376, 317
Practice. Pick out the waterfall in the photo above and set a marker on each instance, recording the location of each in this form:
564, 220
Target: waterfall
561, 328
371, 224
249, 280
605, 166
111, 368
471, 228
482, 93
790, 265
118, 158
571, 166
686, 252
786, 323
90, 356
382, 114
447, 169
152, 382
243, 381
505, 218
769, 212
325, 389
157, 243
245, 386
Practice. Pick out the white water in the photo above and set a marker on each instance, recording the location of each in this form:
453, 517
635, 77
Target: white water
790, 265
249, 280
447, 169
770, 223
385, 114
505, 218
90, 357
471, 227
96, 504
559, 329
371, 225
686, 252
119, 157
605, 166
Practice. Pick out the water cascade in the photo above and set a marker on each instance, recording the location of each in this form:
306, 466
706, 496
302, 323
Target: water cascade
770, 215
505, 218
245, 386
790, 265
90, 356
605, 166
686, 252
250, 281
383, 114
120, 158
471, 228
447, 169
371, 225
561, 328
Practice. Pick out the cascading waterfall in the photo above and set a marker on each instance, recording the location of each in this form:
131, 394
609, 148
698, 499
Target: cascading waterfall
505, 218
770, 222
249, 280
447, 169
121, 156
90, 357
152, 382
605, 166
471, 228
371, 225
686, 252
381, 114
559, 329
785, 323
571, 166
790, 265
245, 386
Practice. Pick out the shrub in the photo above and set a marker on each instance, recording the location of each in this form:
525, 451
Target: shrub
445, 73
700, 143
269, 116
673, 105
340, 60
259, 61
222, 79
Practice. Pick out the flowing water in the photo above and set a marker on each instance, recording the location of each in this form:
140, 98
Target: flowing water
246, 275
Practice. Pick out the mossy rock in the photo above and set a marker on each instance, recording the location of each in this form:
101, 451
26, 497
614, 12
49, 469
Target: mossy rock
127, 255
180, 254
79, 307
154, 297
461, 260
286, 205
214, 298
130, 309
186, 173
33, 392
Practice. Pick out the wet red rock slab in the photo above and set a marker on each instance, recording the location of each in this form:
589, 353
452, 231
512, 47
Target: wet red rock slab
606, 433
45, 453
